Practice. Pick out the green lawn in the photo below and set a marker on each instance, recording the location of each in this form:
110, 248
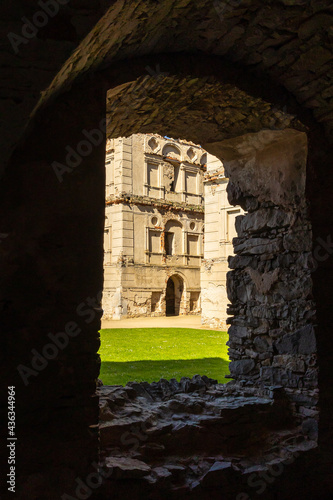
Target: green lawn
150, 354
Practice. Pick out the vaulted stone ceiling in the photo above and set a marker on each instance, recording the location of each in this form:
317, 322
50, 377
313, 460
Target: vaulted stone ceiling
203, 109
289, 40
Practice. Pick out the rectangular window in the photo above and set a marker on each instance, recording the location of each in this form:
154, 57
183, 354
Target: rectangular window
169, 242
107, 245
191, 182
109, 175
154, 241
192, 244
176, 181
152, 177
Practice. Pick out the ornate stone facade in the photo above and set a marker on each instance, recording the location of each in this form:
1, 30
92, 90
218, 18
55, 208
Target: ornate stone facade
158, 200
154, 226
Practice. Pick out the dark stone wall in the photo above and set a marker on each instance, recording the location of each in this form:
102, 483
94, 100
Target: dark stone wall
319, 193
271, 338
51, 282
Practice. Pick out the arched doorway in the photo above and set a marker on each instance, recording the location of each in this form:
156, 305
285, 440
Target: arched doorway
170, 298
174, 295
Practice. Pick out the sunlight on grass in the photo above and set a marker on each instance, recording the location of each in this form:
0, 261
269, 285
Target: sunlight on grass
152, 353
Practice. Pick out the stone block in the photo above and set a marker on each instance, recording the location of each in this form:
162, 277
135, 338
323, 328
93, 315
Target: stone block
263, 344
240, 261
263, 328
263, 281
263, 219
241, 367
251, 353
298, 242
279, 376
257, 246
293, 363
302, 341
310, 428
127, 468
238, 332
311, 378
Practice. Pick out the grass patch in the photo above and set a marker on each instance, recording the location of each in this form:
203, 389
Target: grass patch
149, 354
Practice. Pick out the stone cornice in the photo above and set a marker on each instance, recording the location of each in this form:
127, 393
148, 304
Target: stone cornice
161, 204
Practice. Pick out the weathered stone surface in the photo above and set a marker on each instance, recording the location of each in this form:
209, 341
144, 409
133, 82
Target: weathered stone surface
257, 246
239, 261
264, 281
152, 449
298, 242
127, 468
239, 332
263, 344
241, 367
162, 473
311, 378
105, 412
165, 389
310, 427
303, 341
270, 286
261, 220
246, 161
179, 450
290, 362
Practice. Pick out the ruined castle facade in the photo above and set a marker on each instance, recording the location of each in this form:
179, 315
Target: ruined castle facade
159, 195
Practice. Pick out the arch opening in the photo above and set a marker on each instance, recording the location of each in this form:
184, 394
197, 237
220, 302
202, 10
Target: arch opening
174, 296
266, 172
270, 375
242, 155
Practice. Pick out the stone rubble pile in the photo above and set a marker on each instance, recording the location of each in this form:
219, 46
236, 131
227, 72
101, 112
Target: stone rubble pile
192, 436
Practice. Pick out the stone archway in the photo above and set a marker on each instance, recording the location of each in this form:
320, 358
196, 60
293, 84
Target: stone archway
55, 229
175, 296
170, 298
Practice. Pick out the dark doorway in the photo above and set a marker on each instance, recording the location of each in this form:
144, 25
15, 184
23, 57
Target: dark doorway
170, 298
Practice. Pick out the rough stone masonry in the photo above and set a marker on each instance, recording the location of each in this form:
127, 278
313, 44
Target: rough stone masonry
272, 340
